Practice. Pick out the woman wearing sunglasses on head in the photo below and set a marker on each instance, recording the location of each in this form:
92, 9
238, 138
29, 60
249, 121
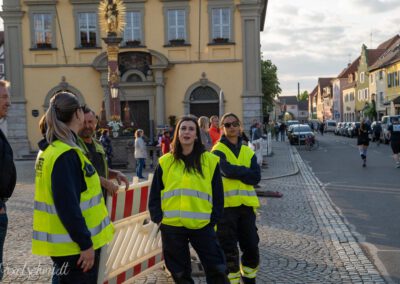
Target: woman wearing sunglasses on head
186, 197
240, 172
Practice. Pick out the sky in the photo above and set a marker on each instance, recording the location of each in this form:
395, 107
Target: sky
308, 39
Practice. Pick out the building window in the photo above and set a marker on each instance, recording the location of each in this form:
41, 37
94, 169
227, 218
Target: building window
381, 97
380, 74
133, 28
42, 25
43, 30
362, 75
1, 68
87, 29
389, 83
221, 24
371, 78
176, 25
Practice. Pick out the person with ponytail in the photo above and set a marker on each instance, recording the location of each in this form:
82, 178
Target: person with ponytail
186, 199
70, 219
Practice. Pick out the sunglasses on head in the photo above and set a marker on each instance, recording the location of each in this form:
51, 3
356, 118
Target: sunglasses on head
229, 124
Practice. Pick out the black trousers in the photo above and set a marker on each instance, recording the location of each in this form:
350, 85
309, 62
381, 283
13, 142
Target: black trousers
175, 242
69, 273
238, 225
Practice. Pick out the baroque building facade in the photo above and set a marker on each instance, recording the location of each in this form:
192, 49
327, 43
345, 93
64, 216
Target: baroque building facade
176, 57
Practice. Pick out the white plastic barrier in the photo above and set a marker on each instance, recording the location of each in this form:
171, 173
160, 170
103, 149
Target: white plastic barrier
136, 246
266, 145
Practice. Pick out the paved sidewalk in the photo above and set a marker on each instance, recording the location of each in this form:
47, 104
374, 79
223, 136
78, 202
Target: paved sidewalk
302, 238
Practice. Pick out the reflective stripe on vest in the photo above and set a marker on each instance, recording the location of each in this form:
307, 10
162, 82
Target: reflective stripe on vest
187, 214
51, 209
65, 238
238, 192
187, 192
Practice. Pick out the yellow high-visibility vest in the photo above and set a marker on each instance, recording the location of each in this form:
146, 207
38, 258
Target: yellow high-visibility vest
237, 193
186, 200
50, 238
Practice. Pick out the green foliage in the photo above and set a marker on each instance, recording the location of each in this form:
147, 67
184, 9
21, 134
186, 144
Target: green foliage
370, 111
303, 96
270, 84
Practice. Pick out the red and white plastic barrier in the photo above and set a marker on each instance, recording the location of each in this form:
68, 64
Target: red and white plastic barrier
136, 247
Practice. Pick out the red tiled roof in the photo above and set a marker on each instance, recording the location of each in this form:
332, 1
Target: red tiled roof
386, 44
390, 56
373, 55
350, 69
324, 82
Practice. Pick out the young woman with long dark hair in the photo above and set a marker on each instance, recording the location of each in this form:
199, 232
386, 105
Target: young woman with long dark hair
186, 199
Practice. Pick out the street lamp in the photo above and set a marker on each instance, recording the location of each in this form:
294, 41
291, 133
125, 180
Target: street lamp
112, 22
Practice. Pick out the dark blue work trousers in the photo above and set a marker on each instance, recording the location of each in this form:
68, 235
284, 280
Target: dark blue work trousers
74, 274
238, 226
175, 242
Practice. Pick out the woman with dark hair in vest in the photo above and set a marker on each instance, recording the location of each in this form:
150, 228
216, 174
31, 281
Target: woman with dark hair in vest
186, 199
240, 172
70, 219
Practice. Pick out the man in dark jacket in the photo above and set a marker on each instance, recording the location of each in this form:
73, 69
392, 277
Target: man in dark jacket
8, 174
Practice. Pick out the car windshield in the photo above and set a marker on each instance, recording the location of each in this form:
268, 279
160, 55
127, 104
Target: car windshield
302, 129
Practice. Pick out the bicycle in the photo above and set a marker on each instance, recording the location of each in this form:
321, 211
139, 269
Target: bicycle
311, 143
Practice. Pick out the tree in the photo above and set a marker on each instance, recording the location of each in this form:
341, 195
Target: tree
303, 96
270, 84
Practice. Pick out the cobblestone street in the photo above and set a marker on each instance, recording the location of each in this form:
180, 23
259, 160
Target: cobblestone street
303, 239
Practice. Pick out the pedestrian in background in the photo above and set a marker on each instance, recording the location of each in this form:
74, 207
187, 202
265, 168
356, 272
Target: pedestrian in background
106, 143
240, 172
8, 173
97, 154
165, 142
276, 128
205, 136
70, 219
282, 131
394, 136
322, 128
187, 200
215, 132
140, 153
363, 141
377, 132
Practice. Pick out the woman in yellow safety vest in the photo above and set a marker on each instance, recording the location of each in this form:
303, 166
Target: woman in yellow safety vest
240, 172
70, 219
186, 199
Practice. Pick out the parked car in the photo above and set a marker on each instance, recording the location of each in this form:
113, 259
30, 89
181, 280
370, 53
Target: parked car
330, 125
385, 123
373, 126
291, 122
343, 130
338, 126
300, 132
352, 130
